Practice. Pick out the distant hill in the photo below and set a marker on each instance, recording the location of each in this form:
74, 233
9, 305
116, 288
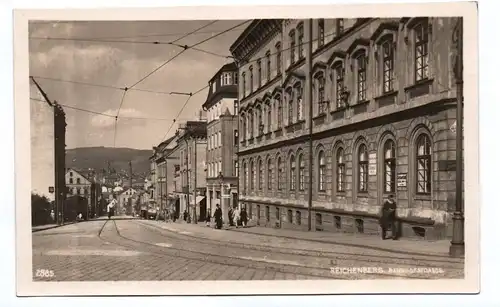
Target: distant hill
98, 157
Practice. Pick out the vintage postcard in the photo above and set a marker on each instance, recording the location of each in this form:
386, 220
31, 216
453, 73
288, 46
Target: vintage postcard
247, 150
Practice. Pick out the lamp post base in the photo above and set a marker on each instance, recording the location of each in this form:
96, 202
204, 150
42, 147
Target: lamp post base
457, 247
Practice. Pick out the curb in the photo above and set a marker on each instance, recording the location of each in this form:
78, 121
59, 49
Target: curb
52, 227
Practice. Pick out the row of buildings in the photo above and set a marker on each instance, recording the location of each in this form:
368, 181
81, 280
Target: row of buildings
318, 122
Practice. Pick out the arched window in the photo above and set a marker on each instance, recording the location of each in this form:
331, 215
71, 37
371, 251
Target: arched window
259, 73
269, 174
251, 79
362, 168
281, 172
261, 174
421, 52
302, 174
292, 173
290, 108
243, 84
321, 171
269, 118
243, 125
340, 170
388, 66
300, 106
278, 58
268, 65
321, 32
252, 175
260, 122
300, 29
423, 164
292, 46
339, 85
389, 166
250, 124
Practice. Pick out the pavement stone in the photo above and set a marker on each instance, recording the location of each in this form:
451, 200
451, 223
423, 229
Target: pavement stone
76, 253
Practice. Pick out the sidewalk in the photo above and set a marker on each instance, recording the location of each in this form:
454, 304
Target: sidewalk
48, 226
284, 237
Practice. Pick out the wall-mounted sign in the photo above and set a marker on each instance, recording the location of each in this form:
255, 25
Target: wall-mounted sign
372, 164
402, 180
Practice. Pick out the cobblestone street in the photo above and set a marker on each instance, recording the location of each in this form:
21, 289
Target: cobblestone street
150, 250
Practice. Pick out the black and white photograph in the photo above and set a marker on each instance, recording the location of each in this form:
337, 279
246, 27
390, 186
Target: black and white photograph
275, 150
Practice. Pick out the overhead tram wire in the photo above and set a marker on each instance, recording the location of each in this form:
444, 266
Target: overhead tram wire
158, 92
182, 51
195, 31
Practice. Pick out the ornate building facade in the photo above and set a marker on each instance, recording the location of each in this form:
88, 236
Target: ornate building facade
222, 135
336, 114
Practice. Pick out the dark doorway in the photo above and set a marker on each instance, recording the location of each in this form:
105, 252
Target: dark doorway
177, 208
203, 210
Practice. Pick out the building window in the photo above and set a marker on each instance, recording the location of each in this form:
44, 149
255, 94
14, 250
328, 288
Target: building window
220, 139
421, 52
292, 47
235, 137
70, 180
251, 126
321, 171
388, 66
290, 108
339, 25
301, 40
71, 174
259, 73
278, 58
244, 84
362, 168
268, 65
226, 78
235, 78
280, 112
260, 120
236, 169
78, 180
278, 214
389, 166
340, 170
269, 118
261, 174
252, 176
251, 79
289, 216
268, 213
339, 85
322, 104
321, 32
302, 173
235, 107
292, 173
300, 106
243, 126
280, 175
361, 74
245, 177
423, 164
269, 174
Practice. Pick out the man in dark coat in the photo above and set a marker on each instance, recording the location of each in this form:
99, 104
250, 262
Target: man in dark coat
230, 216
388, 218
243, 217
218, 217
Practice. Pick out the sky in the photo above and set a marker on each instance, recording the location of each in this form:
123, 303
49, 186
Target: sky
104, 61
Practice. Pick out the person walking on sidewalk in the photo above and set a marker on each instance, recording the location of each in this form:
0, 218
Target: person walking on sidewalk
244, 217
230, 216
388, 218
218, 217
236, 217
111, 206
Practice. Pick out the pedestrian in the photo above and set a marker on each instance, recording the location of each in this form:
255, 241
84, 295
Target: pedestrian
388, 218
230, 215
111, 206
236, 217
207, 219
185, 216
218, 217
244, 217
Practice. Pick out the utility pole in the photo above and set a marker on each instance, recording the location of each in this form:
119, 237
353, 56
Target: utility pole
457, 247
309, 99
59, 154
195, 183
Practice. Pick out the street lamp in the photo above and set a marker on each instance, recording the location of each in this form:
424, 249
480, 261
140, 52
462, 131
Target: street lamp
221, 182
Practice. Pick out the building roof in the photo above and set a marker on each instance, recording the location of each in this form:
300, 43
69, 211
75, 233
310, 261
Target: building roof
222, 91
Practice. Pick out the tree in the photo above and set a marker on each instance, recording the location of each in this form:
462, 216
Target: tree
40, 210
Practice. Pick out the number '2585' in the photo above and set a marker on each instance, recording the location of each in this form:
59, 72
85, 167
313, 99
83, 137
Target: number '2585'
44, 273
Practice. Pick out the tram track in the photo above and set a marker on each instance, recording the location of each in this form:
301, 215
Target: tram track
311, 272
420, 261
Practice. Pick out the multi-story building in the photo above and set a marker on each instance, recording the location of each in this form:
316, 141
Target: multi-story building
192, 145
165, 159
336, 114
222, 135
